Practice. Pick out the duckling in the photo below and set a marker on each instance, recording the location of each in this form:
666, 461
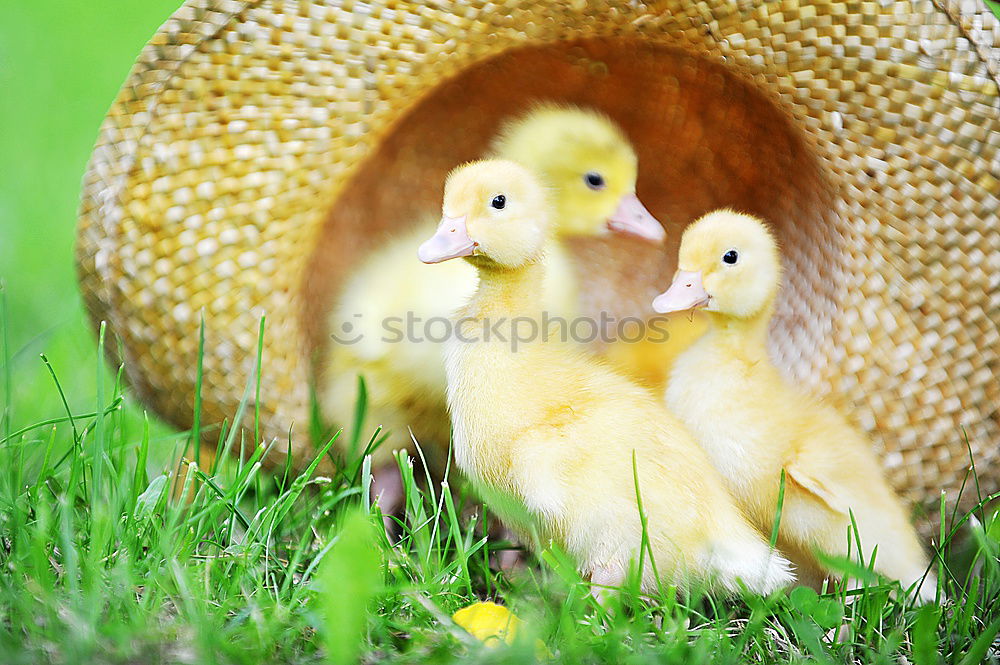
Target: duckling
647, 353
556, 141
753, 424
591, 169
556, 431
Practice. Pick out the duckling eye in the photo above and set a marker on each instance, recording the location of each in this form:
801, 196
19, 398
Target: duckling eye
731, 257
499, 201
594, 180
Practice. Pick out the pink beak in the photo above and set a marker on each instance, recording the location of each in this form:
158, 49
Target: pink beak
686, 292
450, 241
632, 217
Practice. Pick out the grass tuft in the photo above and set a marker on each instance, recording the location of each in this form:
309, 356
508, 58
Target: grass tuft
103, 564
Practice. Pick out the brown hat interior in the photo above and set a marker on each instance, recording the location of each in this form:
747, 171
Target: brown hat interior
707, 136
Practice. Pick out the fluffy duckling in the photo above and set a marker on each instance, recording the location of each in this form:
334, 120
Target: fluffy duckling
591, 169
556, 431
649, 358
753, 424
559, 142
588, 163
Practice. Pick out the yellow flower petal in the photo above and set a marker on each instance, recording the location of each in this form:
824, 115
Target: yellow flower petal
493, 625
489, 623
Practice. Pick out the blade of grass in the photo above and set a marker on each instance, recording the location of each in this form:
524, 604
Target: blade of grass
139, 477
59, 420
977, 652
925, 640
778, 509
45, 471
360, 409
942, 515
198, 379
350, 574
77, 443
8, 381
97, 455
372, 444
287, 466
233, 508
645, 546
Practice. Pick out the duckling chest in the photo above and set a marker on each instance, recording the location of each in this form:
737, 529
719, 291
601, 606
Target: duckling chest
727, 410
491, 398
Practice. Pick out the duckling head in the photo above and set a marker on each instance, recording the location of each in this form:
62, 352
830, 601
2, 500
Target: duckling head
494, 212
729, 264
590, 166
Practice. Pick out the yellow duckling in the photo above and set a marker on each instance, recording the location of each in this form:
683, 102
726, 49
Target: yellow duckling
393, 313
753, 424
559, 143
556, 431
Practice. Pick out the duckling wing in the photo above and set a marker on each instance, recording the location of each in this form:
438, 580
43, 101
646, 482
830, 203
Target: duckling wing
805, 475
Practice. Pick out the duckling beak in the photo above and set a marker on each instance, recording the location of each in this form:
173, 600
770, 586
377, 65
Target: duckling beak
450, 241
632, 217
686, 292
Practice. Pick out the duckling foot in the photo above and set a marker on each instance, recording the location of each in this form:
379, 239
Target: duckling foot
387, 490
509, 560
926, 590
604, 581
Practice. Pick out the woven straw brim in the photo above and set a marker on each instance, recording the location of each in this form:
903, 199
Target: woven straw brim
257, 147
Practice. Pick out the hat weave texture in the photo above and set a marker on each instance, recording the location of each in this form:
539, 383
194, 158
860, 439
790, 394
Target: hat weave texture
259, 149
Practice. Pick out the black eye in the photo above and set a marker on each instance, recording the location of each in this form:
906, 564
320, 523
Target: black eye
594, 180
731, 257
499, 201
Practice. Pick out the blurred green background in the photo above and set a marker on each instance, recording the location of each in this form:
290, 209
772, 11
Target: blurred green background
61, 64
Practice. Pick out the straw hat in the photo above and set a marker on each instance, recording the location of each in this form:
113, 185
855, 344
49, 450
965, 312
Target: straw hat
259, 149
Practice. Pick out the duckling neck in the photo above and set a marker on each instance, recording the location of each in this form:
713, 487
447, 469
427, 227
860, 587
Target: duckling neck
487, 372
516, 291
746, 338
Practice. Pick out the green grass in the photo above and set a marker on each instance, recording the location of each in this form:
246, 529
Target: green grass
99, 565
61, 65
102, 565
